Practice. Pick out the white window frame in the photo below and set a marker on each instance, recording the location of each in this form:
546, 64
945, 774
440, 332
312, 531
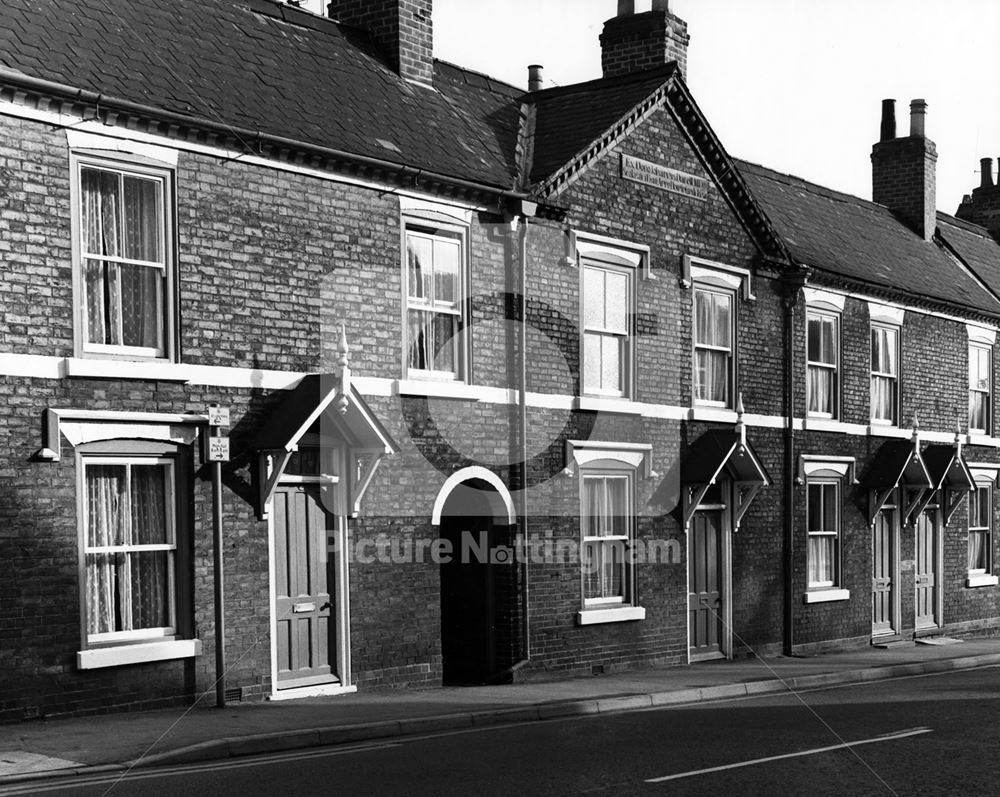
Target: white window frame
822, 480
626, 340
125, 164
730, 293
431, 224
834, 368
885, 375
987, 531
165, 633
603, 471
818, 469
633, 260
598, 459
986, 348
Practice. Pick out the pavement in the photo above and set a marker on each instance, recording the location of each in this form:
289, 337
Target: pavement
43, 748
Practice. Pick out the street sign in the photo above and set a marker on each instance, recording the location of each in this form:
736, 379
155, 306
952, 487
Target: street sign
218, 449
218, 416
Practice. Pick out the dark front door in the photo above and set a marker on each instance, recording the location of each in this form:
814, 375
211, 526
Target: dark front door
926, 576
467, 630
883, 573
302, 587
705, 590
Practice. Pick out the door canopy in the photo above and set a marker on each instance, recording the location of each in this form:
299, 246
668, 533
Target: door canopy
722, 453
330, 402
898, 463
950, 477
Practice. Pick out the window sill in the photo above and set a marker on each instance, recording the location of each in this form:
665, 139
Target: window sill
823, 424
981, 580
888, 430
106, 368
826, 595
136, 654
619, 614
709, 412
435, 388
981, 439
622, 406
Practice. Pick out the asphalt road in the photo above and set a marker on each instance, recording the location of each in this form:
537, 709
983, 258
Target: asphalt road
942, 737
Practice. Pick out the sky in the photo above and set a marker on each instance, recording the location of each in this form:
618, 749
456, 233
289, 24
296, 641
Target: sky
795, 85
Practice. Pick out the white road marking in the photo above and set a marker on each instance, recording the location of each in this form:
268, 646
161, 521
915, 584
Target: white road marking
889, 737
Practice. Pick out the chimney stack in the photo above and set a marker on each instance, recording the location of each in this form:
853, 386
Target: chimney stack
535, 77
983, 206
903, 170
402, 29
635, 42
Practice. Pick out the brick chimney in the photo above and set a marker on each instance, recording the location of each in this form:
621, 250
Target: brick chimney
633, 42
401, 28
982, 207
903, 170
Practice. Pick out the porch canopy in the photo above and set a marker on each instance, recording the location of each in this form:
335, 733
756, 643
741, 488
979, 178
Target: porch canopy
721, 452
950, 477
345, 420
898, 463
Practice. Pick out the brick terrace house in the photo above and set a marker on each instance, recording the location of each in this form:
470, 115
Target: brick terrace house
893, 437
662, 399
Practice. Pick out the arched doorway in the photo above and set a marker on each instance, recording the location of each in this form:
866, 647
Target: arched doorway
478, 583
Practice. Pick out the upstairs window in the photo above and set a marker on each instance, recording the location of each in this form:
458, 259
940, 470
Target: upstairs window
713, 346
822, 363
980, 381
608, 292
436, 323
885, 374
123, 238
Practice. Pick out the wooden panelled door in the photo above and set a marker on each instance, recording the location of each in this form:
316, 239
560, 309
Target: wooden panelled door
302, 605
926, 578
883, 573
705, 593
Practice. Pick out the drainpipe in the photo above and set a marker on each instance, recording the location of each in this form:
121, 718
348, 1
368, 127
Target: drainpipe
792, 283
517, 239
522, 400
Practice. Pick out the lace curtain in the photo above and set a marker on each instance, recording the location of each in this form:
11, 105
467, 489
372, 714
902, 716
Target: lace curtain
713, 332
122, 220
603, 560
126, 585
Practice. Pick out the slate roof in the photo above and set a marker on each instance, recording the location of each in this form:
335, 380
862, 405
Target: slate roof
975, 246
282, 72
840, 235
569, 119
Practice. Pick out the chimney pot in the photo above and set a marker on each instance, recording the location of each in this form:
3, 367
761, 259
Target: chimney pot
626, 8
535, 77
661, 5
918, 114
986, 172
888, 131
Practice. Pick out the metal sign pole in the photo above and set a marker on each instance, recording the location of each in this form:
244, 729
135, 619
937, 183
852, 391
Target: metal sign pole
218, 452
